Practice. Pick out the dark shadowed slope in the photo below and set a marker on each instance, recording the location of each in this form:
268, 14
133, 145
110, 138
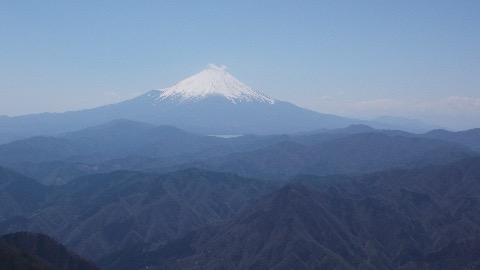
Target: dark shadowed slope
45, 251
14, 259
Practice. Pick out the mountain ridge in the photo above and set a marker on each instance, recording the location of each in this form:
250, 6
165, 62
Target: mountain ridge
424, 218
98, 214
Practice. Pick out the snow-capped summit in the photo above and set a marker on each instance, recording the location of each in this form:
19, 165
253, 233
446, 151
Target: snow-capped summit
213, 81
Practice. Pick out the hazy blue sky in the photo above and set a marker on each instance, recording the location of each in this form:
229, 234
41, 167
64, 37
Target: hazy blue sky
363, 59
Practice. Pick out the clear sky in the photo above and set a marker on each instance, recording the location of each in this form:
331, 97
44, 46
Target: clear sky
362, 59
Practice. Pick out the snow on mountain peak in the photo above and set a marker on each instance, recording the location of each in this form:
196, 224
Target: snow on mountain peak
215, 67
213, 81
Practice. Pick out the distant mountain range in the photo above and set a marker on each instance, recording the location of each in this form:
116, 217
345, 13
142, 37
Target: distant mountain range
210, 102
351, 154
130, 145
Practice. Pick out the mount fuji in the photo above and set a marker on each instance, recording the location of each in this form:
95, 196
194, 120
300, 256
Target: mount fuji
210, 102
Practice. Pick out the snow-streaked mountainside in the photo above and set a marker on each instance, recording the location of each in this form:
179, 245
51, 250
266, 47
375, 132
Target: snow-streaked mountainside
210, 102
213, 81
